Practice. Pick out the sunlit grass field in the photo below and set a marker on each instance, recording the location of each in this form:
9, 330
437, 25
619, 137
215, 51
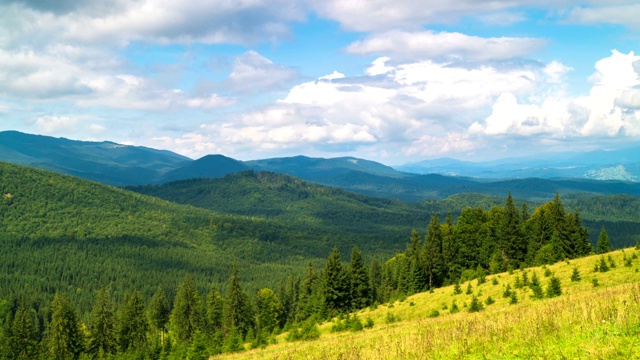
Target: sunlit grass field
585, 322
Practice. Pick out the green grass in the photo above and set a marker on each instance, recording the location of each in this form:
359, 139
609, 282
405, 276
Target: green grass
585, 322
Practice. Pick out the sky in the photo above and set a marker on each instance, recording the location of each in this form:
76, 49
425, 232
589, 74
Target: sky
394, 81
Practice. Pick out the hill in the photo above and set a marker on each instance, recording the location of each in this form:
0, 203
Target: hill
584, 321
210, 166
106, 162
89, 234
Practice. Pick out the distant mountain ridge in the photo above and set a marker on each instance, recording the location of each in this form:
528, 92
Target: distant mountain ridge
105, 162
621, 164
526, 178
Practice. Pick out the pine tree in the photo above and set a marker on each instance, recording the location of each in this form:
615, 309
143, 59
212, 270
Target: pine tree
102, 329
268, 311
554, 287
24, 333
65, 334
580, 236
237, 311
186, 317
432, 253
475, 305
159, 312
336, 286
133, 325
215, 306
603, 242
511, 240
375, 282
575, 275
450, 250
360, 290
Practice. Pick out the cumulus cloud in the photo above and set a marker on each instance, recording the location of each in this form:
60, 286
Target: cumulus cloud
253, 73
52, 124
430, 44
610, 109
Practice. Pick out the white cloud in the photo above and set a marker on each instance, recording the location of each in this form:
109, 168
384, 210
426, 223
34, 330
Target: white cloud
253, 73
627, 14
52, 124
452, 45
610, 109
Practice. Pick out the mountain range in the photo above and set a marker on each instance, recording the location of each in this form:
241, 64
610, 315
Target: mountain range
601, 172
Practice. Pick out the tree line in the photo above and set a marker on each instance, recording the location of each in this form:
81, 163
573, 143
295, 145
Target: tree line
195, 326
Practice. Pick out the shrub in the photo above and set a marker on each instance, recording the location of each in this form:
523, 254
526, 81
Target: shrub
513, 298
494, 281
575, 275
434, 313
554, 288
368, 323
489, 301
454, 307
507, 291
456, 289
594, 281
392, 318
475, 305
469, 289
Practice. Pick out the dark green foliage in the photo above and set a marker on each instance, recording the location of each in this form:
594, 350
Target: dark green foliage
575, 275
602, 266
198, 348
102, 328
133, 323
433, 313
186, 316
233, 341
612, 263
336, 284
456, 289
391, 318
268, 309
475, 305
469, 290
603, 242
507, 291
432, 261
454, 307
65, 340
594, 281
513, 298
368, 323
24, 334
489, 300
494, 281
213, 313
159, 312
237, 310
359, 276
554, 287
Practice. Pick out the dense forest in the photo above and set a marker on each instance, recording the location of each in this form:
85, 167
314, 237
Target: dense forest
88, 270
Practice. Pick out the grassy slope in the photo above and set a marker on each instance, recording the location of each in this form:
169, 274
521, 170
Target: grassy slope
585, 322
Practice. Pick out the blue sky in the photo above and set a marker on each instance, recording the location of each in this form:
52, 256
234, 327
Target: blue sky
389, 80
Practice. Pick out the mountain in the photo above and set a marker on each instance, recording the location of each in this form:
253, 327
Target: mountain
105, 162
209, 166
619, 164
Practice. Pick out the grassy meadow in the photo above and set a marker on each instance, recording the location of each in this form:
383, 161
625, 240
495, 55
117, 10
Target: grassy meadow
584, 322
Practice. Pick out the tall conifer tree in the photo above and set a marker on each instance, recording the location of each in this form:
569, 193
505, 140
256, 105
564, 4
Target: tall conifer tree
132, 332
603, 242
360, 289
186, 316
102, 329
159, 312
24, 333
66, 339
237, 312
336, 286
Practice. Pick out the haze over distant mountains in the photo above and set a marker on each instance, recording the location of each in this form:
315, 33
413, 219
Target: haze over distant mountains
532, 177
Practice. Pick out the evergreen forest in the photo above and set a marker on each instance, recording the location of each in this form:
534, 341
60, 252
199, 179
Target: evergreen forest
200, 267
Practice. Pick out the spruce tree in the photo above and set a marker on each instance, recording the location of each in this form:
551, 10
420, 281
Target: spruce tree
133, 324
336, 286
159, 312
237, 311
360, 289
554, 287
512, 242
102, 328
575, 275
432, 253
66, 339
603, 242
214, 310
186, 317
375, 282
24, 337
268, 311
